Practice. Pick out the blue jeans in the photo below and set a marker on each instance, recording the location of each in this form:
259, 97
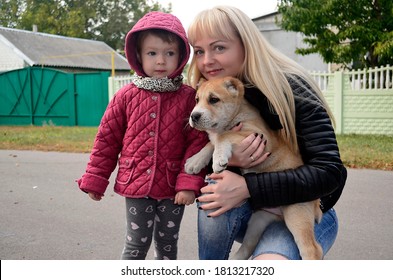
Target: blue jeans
217, 235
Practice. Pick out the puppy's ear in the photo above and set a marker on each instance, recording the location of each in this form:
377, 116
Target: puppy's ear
200, 82
233, 85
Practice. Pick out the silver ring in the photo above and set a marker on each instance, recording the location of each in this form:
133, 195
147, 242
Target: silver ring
252, 158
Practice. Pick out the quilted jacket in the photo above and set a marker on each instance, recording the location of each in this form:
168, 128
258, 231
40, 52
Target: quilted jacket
146, 133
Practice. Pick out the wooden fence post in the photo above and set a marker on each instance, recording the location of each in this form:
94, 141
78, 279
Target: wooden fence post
111, 87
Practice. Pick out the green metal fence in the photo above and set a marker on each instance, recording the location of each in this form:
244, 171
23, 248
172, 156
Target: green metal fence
39, 96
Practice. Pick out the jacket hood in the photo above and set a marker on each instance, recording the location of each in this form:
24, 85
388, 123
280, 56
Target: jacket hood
156, 20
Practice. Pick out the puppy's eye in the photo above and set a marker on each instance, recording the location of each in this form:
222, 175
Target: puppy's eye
196, 99
213, 100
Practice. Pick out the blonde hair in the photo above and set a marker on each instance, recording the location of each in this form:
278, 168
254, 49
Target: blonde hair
263, 67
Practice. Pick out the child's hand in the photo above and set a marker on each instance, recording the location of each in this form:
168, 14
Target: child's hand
95, 196
185, 197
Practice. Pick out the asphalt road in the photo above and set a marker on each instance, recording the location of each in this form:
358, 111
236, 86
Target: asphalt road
44, 215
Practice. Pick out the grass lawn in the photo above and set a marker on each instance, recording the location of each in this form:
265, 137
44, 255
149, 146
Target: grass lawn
357, 151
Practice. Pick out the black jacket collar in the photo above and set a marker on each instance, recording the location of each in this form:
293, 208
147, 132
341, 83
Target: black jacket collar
255, 97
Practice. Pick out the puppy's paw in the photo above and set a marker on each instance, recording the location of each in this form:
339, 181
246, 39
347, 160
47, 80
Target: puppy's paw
192, 166
220, 165
195, 164
198, 161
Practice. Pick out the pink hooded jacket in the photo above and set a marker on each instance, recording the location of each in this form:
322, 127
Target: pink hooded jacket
146, 132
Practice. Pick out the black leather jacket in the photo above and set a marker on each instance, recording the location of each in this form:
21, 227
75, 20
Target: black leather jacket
323, 174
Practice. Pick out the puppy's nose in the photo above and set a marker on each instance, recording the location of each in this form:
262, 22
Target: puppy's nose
195, 117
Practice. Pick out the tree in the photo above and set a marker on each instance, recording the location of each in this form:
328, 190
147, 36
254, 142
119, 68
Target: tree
356, 34
115, 18
9, 11
104, 20
67, 17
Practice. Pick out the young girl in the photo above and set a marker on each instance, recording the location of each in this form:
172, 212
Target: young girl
227, 43
144, 129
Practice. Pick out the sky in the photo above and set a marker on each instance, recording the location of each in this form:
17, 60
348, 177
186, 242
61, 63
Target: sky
187, 10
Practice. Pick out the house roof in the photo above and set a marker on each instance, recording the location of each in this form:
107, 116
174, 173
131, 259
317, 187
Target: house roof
265, 16
41, 49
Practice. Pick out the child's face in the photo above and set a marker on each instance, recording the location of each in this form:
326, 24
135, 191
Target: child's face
159, 59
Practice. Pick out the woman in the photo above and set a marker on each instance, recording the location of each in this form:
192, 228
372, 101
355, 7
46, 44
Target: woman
227, 43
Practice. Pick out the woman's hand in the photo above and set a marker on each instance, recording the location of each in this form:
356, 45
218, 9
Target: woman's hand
229, 191
250, 152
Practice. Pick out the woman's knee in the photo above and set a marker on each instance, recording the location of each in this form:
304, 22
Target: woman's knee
272, 256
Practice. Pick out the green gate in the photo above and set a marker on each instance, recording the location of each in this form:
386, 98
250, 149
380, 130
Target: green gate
41, 96
91, 92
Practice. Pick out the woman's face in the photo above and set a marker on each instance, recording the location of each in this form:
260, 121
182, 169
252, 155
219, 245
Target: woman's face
219, 57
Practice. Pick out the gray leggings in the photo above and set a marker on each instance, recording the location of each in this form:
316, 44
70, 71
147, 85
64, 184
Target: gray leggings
145, 216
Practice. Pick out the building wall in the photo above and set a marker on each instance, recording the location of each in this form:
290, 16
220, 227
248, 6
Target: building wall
287, 42
8, 59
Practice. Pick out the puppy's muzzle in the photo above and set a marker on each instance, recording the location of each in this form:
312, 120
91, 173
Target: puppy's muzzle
195, 117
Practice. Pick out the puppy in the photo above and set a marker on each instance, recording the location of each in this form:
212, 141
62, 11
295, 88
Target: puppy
220, 106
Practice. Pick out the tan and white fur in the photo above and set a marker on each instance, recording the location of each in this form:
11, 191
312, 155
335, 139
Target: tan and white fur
220, 106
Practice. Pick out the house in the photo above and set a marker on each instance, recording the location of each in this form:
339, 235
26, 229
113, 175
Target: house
287, 42
54, 79
21, 48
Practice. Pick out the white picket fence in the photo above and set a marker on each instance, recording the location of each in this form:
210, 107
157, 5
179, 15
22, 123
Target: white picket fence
117, 82
360, 80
